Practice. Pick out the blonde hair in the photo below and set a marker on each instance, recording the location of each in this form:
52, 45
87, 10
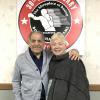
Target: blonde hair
60, 36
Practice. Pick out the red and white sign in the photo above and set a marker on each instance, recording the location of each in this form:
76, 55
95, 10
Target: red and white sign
52, 16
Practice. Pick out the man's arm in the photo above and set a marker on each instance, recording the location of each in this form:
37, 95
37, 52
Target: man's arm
16, 82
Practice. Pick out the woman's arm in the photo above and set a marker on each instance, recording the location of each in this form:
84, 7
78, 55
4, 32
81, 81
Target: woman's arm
78, 83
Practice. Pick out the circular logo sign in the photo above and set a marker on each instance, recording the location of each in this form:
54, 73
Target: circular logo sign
50, 17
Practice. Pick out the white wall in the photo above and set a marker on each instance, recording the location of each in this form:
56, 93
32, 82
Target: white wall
93, 40
8, 40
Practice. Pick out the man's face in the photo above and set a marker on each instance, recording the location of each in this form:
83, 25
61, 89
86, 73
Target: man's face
58, 47
36, 43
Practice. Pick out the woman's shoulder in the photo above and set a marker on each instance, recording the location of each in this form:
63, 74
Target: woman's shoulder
77, 65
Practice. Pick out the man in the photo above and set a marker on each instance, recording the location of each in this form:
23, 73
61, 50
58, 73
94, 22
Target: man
30, 78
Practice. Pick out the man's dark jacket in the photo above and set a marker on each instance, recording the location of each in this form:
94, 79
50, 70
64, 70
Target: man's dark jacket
69, 80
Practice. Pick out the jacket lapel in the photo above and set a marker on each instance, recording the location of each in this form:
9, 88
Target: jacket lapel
45, 64
32, 64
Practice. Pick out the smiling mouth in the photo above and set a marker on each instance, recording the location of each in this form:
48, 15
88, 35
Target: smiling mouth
36, 48
57, 50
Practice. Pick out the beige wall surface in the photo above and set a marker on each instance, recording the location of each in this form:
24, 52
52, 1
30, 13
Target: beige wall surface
8, 40
92, 54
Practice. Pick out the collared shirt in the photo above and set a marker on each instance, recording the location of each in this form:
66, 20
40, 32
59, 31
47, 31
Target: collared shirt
37, 61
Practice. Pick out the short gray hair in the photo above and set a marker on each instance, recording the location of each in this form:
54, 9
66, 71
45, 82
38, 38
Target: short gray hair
33, 32
60, 36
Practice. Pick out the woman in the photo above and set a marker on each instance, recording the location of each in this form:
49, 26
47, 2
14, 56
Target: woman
67, 78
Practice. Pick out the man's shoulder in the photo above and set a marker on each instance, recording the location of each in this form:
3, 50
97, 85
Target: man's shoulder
48, 53
21, 56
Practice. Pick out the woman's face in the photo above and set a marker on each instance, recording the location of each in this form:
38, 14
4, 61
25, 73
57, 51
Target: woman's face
58, 46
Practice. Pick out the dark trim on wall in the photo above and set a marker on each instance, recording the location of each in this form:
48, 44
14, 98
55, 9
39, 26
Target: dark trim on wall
93, 87
6, 86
